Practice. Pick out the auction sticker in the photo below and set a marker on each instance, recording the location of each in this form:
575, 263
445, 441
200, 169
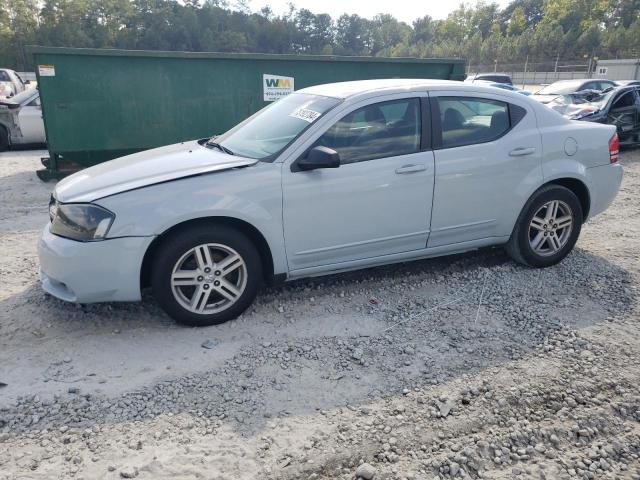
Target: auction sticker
46, 70
276, 86
305, 114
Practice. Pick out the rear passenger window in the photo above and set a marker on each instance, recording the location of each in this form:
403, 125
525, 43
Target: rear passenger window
470, 120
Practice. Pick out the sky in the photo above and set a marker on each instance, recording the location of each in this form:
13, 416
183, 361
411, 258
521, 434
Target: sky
405, 10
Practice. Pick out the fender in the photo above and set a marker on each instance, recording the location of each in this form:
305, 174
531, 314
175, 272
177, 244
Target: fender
564, 168
251, 195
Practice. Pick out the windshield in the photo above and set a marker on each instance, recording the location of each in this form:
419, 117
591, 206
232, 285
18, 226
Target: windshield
271, 129
559, 88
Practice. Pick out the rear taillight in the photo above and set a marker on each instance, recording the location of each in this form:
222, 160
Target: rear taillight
614, 148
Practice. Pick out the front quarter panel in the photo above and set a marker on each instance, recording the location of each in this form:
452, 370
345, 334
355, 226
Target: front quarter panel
252, 194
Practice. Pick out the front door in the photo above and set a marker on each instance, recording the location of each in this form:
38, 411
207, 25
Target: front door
487, 157
376, 203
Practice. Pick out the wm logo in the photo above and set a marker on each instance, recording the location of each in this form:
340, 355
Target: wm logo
278, 82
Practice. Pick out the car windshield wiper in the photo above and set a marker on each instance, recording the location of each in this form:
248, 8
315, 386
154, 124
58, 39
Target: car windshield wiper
222, 148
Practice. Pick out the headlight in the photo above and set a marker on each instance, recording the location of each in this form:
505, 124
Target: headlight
53, 208
84, 222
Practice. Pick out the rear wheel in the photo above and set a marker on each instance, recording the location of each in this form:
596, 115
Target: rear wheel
206, 275
548, 227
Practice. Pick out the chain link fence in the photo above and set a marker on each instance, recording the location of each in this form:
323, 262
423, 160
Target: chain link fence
537, 73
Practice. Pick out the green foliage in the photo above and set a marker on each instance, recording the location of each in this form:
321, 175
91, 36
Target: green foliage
517, 22
481, 33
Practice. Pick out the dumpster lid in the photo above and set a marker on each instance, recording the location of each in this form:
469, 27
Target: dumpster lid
111, 52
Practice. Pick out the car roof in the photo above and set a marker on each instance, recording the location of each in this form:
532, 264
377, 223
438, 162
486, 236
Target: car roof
624, 88
489, 74
362, 89
346, 90
574, 80
349, 89
578, 81
497, 84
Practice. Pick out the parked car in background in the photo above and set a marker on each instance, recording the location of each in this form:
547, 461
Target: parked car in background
619, 107
21, 120
564, 87
10, 83
627, 83
504, 86
330, 178
490, 77
561, 103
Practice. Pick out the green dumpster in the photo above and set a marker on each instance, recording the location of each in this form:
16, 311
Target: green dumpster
101, 104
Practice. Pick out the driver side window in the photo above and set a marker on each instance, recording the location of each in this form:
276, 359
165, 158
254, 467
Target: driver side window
385, 129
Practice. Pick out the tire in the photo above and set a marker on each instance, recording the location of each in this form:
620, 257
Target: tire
189, 286
541, 244
4, 139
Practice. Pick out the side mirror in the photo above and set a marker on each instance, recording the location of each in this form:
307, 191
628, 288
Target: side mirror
319, 157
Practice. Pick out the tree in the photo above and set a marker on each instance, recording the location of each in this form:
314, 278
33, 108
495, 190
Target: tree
538, 29
424, 30
352, 35
18, 23
533, 12
517, 23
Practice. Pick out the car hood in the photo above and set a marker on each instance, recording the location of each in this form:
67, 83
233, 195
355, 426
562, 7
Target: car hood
145, 168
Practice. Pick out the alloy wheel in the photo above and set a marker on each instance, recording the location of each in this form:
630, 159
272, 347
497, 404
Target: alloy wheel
550, 228
209, 278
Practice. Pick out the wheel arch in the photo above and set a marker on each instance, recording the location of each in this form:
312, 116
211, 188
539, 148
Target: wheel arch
241, 225
580, 190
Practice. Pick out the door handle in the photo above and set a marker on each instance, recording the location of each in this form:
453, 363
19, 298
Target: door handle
522, 151
411, 168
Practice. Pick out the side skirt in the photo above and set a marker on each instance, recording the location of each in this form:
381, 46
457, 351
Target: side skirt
396, 258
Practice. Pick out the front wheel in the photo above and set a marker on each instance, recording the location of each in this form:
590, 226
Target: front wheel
206, 275
548, 227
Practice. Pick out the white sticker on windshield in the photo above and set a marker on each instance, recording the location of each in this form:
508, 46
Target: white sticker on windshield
305, 114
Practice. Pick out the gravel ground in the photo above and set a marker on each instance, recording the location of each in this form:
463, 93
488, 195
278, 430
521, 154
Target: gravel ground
467, 366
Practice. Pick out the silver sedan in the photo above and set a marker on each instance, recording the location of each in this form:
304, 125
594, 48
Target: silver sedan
328, 179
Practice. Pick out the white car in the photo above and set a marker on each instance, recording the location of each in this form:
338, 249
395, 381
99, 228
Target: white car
331, 178
10, 83
21, 120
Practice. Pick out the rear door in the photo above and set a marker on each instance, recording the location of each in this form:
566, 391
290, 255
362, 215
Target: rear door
487, 158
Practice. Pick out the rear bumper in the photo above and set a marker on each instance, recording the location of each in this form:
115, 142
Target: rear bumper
604, 183
103, 271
